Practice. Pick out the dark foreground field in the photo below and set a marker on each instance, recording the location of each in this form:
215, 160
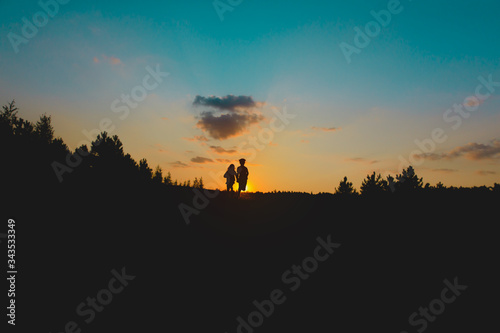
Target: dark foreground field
148, 271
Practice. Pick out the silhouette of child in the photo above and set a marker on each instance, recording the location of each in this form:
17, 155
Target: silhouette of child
230, 176
242, 176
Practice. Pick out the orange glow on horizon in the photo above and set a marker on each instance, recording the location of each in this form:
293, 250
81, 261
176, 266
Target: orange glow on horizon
250, 187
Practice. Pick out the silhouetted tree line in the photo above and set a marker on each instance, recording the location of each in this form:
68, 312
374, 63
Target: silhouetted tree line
32, 156
406, 183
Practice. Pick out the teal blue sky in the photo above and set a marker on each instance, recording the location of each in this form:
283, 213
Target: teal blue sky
283, 53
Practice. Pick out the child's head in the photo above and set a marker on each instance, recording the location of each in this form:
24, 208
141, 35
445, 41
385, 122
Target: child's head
231, 167
242, 161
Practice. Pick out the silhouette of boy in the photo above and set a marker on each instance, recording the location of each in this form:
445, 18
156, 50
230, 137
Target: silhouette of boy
242, 176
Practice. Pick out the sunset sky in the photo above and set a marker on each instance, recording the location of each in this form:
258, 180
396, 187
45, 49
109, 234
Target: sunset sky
424, 77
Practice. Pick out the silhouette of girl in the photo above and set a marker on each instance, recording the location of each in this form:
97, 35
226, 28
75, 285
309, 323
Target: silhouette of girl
230, 176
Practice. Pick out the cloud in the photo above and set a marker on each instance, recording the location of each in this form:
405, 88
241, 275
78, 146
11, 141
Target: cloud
472, 101
315, 130
227, 125
237, 114
114, 61
201, 138
431, 156
199, 159
477, 151
471, 151
444, 170
111, 60
229, 102
223, 160
325, 129
485, 172
179, 164
361, 160
220, 150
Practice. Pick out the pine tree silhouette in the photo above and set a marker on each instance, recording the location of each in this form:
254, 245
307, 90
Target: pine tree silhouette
158, 175
345, 189
168, 180
408, 181
374, 185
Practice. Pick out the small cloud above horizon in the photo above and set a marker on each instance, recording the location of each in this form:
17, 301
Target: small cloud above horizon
201, 160
445, 170
314, 130
111, 60
485, 172
472, 151
223, 160
361, 160
220, 150
325, 129
196, 138
179, 164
